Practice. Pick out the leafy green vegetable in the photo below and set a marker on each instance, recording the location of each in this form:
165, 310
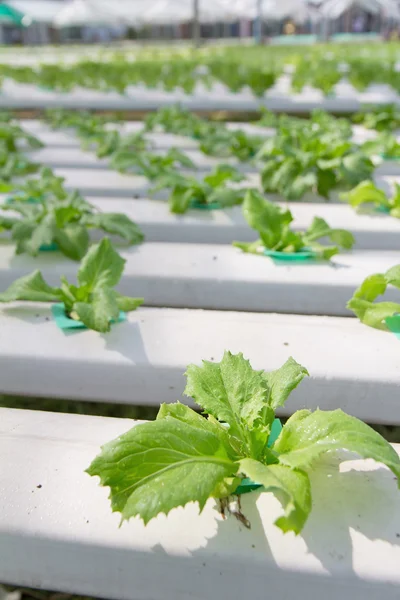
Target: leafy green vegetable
381, 118
149, 164
385, 145
367, 193
45, 186
183, 457
273, 225
362, 303
213, 188
13, 138
64, 222
214, 138
94, 301
310, 158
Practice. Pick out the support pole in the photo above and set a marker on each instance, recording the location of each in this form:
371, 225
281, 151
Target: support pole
258, 24
196, 24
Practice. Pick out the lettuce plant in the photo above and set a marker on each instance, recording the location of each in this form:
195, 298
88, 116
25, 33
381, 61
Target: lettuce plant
302, 160
13, 138
384, 145
94, 302
362, 303
15, 164
319, 121
149, 164
367, 193
65, 223
184, 457
36, 189
380, 118
213, 188
109, 143
228, 143
273, 225
215, 138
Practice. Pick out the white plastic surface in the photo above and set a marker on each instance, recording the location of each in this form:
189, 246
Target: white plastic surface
142, 361
222, 277
57, 530
25, 96
108, 184
374, 231
75, 158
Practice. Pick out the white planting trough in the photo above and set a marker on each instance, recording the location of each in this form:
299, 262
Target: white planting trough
142, 361
75, 158
222, 277
108, 184
371, 231
63, 147
56, 528
24, 96
57, 531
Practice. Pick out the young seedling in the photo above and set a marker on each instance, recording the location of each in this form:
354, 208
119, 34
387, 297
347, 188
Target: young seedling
214, 138
367, 194
362, 303
273, 225
151, 165
212, 189
184, 457
65, 223
94, 302
112, 142
45, 186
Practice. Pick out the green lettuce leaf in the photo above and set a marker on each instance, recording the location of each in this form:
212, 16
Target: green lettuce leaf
101, 267
127, 304
292, 487
73, 240
372, 314
231, 391
118, 224
365, 192
30, 287
266, 218
100, 311
319, 228
161, 465
362, 302
307, 435
283, 381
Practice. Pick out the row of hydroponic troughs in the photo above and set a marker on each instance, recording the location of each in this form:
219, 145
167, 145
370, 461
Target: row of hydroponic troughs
236, 69
240, 446
319, 155
43, 225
